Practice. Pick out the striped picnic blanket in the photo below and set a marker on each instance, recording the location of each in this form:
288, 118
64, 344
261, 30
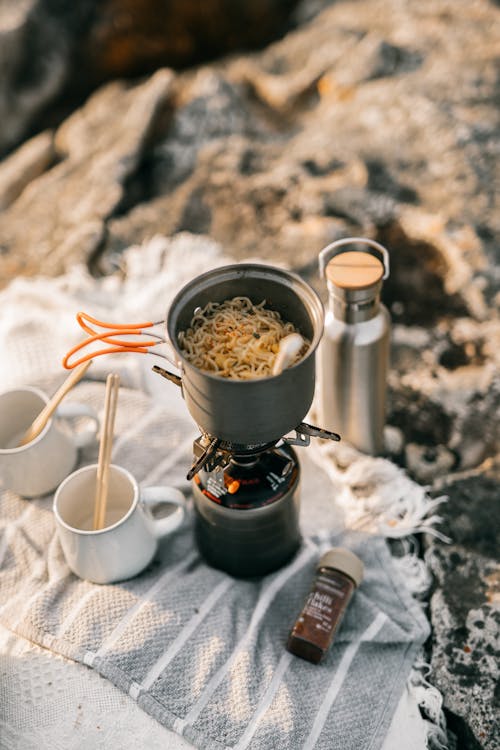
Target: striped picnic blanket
197, 649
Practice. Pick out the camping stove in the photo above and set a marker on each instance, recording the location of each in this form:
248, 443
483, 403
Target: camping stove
245, 472
246, 500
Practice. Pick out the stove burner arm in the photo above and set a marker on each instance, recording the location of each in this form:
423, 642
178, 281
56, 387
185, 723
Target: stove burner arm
206, 456
308, 429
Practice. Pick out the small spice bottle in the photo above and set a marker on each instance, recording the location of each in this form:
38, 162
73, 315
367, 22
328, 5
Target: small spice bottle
338, 573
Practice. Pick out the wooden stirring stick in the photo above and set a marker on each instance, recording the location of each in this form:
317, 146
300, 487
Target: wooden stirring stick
101, 495
48, 410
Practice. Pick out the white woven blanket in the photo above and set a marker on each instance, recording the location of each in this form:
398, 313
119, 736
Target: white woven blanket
37, 327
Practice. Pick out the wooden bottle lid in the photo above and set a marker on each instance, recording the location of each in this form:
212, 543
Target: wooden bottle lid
354, 270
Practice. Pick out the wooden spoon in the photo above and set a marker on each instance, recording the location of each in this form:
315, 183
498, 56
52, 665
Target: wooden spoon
39, 423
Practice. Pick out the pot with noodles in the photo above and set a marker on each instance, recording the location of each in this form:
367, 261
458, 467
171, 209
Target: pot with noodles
241, 340
245, 337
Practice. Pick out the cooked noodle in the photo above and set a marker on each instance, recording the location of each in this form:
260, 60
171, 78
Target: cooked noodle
236, 339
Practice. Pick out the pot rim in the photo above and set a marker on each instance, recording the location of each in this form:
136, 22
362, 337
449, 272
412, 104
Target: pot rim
240, 269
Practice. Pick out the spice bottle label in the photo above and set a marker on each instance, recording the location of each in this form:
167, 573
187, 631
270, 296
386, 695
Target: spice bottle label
313, 632
325, 603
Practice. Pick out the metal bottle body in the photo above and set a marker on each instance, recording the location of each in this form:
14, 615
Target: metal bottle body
353, 361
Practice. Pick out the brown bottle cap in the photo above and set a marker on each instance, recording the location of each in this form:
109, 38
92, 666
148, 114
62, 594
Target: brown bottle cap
344, 560
354, 270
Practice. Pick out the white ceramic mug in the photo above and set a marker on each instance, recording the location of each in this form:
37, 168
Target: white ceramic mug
128, 542
39, 466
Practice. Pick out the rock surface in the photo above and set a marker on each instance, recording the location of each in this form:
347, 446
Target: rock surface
69, 204
26, 164
370, 118
53, 54
465, 610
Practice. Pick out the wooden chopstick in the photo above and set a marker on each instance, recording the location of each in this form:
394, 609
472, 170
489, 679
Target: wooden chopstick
41, 420
101, 495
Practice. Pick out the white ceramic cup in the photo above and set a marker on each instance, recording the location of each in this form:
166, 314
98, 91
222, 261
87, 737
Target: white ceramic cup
128, 542
39, 466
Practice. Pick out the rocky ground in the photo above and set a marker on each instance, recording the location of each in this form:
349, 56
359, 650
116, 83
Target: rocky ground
368, 117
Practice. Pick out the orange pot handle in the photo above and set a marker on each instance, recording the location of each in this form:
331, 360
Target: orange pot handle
108, 335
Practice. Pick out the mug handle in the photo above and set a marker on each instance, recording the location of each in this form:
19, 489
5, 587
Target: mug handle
171, 496
72, 410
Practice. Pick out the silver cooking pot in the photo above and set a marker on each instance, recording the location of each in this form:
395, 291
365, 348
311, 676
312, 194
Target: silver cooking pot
249, 412
246, 413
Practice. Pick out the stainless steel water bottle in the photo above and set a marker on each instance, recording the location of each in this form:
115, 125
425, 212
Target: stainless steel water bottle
353, 355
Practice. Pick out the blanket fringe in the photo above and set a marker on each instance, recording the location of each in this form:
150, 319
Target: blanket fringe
376, 495
430, 702
428, 698
413, 569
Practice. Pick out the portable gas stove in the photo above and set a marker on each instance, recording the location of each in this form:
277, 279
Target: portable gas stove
246, 500
211, 452
245, 473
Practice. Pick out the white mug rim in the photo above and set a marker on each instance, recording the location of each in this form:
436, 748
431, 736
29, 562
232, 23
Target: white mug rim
45, 399
94, 532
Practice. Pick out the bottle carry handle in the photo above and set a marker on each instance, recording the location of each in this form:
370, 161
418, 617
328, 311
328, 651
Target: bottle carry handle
335, 248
